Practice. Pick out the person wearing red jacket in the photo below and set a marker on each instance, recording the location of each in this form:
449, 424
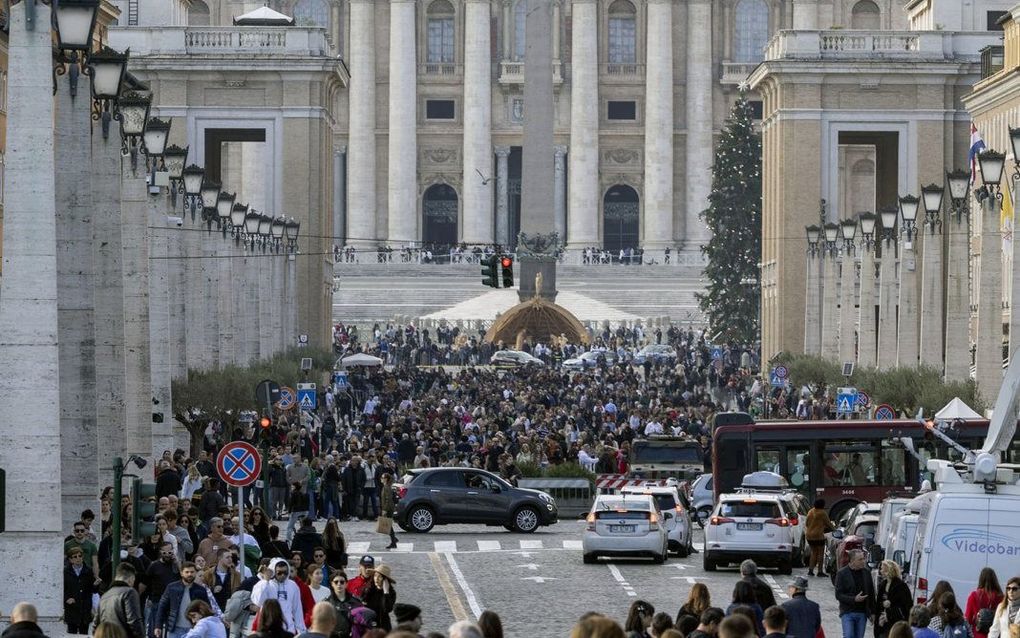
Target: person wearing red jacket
359, 584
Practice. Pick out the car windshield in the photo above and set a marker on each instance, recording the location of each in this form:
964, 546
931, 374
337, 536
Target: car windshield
749, 509
666, 452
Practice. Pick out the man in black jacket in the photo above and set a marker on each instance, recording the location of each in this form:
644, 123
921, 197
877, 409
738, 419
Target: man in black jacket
120, 604
856, 595
353, 481
171, 618
775, 622
79, 585
24, 623
762, 592
804, 617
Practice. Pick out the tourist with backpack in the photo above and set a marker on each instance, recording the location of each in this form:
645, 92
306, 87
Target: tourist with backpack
954, 625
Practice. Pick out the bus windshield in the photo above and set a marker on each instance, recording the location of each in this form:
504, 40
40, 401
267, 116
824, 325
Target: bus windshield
680, 452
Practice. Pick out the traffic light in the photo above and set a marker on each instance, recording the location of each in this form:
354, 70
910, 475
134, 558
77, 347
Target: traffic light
490, 274
506, 263
142, 509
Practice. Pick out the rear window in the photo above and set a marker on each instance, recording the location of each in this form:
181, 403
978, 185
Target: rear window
665, 501
629, 515
621, 504
750, 509
867, 530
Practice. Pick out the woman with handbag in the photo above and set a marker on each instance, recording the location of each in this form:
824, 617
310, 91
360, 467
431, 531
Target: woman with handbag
1007, 615
893, 598
385, 523
981, 602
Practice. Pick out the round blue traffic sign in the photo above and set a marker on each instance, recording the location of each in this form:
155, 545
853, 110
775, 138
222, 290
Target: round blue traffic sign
885, 412
239, 464
782, 372
288, 399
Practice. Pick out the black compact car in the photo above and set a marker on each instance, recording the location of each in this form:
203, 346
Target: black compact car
442, 495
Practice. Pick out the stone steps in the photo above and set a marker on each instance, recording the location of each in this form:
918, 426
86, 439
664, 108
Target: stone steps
564, 272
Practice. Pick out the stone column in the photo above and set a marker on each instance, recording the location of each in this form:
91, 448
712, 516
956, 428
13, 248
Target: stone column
556, 33
503, 195
583, 176
957, 317
560, 190
291, 297
361, 185
887, 306
1014, 297
658, 204
698, 142
75, 311
134, 221
907, 345
932, 305
276, 301
265, 304
830, 309
812, 305
847, 307
402, 184
988, 355
160, 330
30, 403
476, 209
195, 294
867, 335
250, 299
340, 195
209, 271
226, 323
178, 327
508, 29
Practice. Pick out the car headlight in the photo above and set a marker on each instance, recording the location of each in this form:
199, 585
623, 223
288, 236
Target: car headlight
545, 497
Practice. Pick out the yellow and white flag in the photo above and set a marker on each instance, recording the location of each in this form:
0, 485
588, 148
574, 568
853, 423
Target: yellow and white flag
1006, 221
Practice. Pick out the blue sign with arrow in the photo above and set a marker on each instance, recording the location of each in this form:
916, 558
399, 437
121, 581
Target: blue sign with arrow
307, 399
846, 400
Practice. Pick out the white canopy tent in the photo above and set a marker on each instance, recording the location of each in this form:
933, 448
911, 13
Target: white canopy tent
360, 359
263, 17
957, 410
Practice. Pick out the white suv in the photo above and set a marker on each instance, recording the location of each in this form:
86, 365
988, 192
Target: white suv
625, 525
750, 524
676, 515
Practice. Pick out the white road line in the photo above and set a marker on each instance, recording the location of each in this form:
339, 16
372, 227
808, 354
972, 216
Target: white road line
476, 609
488, 546
404, 547
531, 544
572, 545
615, 571
771, 580
444, 546
359, 547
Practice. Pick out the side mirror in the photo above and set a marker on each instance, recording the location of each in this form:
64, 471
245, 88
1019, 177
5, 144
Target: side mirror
899, 556
667, 515
838, 534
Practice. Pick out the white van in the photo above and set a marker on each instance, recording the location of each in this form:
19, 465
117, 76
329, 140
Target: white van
963, 527
891, 507
901, 543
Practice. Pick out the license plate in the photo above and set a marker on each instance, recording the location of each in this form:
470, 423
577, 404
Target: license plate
751, 527
620, 529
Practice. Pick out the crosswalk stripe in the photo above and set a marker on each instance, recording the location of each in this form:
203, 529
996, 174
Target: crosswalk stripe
444, 546
404, 547
488, 546
572, 545
359, 547
531, 544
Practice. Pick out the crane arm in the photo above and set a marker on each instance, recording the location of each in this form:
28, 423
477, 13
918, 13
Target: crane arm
1002, 427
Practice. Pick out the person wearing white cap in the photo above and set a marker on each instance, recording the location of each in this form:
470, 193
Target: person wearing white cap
804, 616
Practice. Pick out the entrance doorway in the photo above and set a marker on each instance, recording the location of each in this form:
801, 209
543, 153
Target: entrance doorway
439, 209
620, 218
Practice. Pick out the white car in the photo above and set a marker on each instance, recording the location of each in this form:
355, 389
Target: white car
625, 525
514, 358
703, 498
754, 525
676, 515
590, 359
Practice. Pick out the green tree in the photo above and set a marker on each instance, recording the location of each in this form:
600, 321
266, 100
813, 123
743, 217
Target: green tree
734, 217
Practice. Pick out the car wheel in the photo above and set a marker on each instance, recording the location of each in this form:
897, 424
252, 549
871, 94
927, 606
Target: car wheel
786, 568
525, 520
421, 519
659, 559
590, 559
708, 564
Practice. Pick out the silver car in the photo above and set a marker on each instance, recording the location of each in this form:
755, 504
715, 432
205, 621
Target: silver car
702, 498
590, 359
676, 515
514, 358
625, 525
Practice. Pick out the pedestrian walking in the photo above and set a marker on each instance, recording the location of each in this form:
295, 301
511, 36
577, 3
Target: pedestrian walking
708, 624
298, 503
1007, 614
982, 602
385, 522
762, 592
79, 586
893, 599
920, 618
816, 526
381, 596
120, 604
804, 616
934, 610
205, 623
284, 590
343, 603
171, 619
856, 595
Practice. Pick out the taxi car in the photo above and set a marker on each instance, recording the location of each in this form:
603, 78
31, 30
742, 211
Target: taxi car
625, 525
676, 515
755, 524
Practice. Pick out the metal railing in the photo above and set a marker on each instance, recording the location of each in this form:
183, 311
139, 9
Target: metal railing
442, 69
622, 70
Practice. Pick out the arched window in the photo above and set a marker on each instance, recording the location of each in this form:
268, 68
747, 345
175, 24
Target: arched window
520, 24
440, 38
865, 15
622, 33
198, 14
311, 13
752, 30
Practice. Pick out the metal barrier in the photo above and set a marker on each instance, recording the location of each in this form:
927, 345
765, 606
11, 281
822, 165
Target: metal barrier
573, 496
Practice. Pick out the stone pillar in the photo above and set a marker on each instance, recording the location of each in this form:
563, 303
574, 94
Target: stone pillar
75, 311
195, 294
867, 335
560, 191
361, 184
264, 305
932, 305
812, 305
209, 271
340, 195
658, 204
178, 286
988, 355
847, 307
698, 141
907, 344
226, 323
402, 184
276, 301
30, 403
476, 209
830, 309
503, 196
957, 317
887, 306
556, 33
250, 303
160, 330
291, 297
583, 176
1014, 297
805, 15
134, 221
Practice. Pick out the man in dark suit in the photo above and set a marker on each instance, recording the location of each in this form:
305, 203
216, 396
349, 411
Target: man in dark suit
856, 595
79, 585
804, 617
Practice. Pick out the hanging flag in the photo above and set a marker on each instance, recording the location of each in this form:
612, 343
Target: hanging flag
1006, 219
976, 146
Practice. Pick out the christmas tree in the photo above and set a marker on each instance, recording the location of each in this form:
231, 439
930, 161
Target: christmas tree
734, 217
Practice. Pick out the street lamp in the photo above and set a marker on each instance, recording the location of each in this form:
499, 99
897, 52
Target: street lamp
210, 194
237, 215
831, 230
888, 218
868, 221
107, 68
132, 113
192, 177
251, 227
990, 165
154, 139
1014, 142
265, 230
277, 230
908, 212
958, 180
931, 196
174, 158
291, 232
224, 207
848, 230
813, 234
74, 21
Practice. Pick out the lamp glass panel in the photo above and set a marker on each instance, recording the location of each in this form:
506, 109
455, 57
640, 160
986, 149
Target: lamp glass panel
932, 199
193, 183
908, 208
74, 24
295, 226
106, 77
812, 234
831, 232
224, 205
251, 223
210, 195
265, 222
155, 140
237, 215
868, 224
991, 168
175, 165
849, 229
888, 219
279, 225
132, 118
958, 186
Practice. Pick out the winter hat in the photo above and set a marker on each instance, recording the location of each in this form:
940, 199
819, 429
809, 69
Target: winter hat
406, 613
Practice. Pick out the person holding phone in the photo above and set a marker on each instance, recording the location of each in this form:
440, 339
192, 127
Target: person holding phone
856, 595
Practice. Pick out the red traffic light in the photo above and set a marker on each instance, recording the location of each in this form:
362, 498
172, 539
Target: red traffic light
506, 262
264, 423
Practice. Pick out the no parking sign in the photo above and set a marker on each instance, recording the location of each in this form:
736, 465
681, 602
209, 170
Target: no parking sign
239, 464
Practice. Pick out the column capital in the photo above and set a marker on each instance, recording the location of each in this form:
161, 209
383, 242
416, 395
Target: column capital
502, 151
560, 151
340, 150
583, 1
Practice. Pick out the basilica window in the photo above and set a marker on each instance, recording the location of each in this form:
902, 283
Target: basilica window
198, 14
311, 13
752, 30
520, 23
865, 15
622, 33
439, 32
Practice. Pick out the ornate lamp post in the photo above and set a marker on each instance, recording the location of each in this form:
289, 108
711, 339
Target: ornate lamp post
847, 281
192, 179
867, 353
209, 195
932, 260
107, 68
812, 296
237, 215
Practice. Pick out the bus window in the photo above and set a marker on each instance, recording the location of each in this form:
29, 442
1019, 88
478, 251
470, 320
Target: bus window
767, 460
799, 469
849, 466
893, 465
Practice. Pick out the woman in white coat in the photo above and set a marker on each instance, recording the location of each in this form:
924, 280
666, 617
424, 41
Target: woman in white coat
1008, 612
206, 623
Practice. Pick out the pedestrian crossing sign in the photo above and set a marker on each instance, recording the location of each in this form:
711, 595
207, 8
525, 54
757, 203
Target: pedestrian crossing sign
846, 399
307, 399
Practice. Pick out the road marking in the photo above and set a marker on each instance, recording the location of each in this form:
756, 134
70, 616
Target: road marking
690, 579
360, 547
470, 595
675, 565
404, 547
539, 579
572, 545
771, 580
615, 571
443, 546
456, 606
488, 546
531, 544
531, 566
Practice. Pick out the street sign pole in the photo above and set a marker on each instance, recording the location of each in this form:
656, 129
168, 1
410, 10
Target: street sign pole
240, 530
118, 478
